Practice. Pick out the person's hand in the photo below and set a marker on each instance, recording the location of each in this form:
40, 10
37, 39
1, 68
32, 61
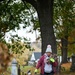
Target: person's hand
35, 71
52, 60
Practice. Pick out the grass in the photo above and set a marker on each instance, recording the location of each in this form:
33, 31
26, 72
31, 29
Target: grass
24, 70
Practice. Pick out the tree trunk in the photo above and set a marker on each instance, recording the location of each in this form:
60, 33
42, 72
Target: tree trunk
44, 10
64, 42
45, 15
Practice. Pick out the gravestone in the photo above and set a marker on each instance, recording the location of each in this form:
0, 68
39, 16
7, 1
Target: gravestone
73, 63
14, 70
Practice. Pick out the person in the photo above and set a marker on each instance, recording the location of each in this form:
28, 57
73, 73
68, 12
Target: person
46, 63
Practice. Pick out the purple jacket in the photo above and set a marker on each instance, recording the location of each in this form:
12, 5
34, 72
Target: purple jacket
41, 64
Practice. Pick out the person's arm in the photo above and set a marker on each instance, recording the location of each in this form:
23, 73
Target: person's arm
55, 64
39, 62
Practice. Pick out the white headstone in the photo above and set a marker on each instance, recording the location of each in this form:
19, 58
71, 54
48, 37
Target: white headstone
14, 69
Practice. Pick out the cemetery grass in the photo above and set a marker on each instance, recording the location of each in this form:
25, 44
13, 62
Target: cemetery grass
26, 68
23, 69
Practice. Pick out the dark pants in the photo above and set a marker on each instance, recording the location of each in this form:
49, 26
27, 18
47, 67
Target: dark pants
49, 73
52, 73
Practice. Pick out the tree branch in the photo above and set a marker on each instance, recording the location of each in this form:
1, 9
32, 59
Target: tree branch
32, 2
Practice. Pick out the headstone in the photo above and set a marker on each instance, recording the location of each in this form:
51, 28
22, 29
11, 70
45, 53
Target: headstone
73, 63
14, 70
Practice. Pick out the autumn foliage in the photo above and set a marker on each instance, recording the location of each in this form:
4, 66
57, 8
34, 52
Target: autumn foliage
66, 66
4, 57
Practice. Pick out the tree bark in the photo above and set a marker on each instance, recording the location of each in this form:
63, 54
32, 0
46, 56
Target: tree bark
64, 42
45, 15
44, 10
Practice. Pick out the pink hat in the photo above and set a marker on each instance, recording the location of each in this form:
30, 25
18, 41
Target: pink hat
48, 49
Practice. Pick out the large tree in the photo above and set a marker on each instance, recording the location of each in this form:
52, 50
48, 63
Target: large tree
44, 10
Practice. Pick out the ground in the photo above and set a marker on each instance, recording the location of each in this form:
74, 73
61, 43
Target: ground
24, 69
66, 66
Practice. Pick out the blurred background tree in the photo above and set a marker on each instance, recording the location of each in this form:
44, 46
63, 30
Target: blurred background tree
5, 57
64, 12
